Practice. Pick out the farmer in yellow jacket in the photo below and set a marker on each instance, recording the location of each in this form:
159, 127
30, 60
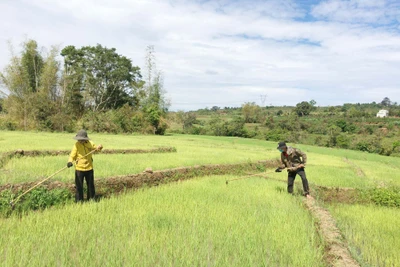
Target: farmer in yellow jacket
84, 164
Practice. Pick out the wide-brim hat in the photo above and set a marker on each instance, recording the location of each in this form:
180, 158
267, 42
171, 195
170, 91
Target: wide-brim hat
281, 145
81, 135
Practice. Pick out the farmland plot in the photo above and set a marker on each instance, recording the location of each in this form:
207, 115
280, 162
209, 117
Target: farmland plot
218, 225
194, 223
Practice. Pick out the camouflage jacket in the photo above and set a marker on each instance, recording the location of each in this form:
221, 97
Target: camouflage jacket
292, 158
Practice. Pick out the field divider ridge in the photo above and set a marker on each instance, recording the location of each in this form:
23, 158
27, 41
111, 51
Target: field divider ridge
7, 156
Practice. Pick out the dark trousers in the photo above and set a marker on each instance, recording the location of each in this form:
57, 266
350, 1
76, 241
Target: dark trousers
89, 177
292, 176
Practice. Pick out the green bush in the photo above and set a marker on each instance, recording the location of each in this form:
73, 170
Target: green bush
38, 199
6, 124
388, 197
274, 135
343, 140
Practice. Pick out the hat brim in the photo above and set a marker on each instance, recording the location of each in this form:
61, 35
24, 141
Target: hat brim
279, 147
81, 138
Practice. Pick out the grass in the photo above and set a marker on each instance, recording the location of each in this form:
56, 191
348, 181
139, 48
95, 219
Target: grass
372, 232
328, 167
191, 151
194, 223
198, 222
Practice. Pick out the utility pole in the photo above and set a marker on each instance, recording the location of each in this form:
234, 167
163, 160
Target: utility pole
263, 98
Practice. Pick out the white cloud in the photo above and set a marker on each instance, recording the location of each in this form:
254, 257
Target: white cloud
230, 52
359, 11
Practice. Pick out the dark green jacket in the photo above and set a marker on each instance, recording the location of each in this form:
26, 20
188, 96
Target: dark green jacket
292, 158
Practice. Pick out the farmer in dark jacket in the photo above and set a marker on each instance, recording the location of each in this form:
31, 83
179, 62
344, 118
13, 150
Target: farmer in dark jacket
294, 160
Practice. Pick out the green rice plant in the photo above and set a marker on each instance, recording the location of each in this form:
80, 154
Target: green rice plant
13, 140
200, 222
380, 174
191, 151
335, 176
372, 232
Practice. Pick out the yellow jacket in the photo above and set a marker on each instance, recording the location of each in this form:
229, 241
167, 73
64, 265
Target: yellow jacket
78, 151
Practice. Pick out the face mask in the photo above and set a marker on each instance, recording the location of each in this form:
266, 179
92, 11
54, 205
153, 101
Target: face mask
280, 150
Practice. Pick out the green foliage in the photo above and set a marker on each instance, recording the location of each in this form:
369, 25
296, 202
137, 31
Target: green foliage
251, 112
290, 124
188, 119
371, 145
103, 79
38, 199
386, 102
32, 62
5, 203
154, 103
219, 127
384, 196
342, 124
122, 120
303, 108
333, 132
276, 134
343, 140
31, 79
41, 198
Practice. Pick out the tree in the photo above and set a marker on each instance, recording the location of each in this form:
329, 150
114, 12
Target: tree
32, 63
386, 102
187, 119
303, 108
31, 79
251, 112
154, 103
99, 78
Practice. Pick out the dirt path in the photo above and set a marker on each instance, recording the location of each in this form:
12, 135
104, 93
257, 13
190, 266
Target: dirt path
336, 252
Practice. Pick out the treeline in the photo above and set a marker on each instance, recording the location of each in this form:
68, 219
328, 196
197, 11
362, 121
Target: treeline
92, 87
350, 126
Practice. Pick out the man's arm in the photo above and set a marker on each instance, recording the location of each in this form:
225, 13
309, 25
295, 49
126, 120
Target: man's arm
303, 157
282, 166
72, 156
98, 148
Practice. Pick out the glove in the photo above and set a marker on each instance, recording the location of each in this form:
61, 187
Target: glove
69, 164
278, 170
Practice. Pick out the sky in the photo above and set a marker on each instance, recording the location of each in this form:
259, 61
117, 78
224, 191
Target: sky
228, 52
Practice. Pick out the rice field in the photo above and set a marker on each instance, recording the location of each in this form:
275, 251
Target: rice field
200, 222
251, 222
372, 231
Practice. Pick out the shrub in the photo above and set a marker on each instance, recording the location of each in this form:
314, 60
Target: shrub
274, 135
343, 141
389, 197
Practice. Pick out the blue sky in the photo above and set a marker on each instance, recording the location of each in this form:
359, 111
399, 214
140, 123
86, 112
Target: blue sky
226, 53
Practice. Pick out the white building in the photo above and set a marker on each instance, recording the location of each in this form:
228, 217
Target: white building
382, 113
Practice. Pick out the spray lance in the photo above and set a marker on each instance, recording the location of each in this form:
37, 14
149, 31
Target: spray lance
14, 201
261, 174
